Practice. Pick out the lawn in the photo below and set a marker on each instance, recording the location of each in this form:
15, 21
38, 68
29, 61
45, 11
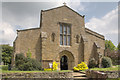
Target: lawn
6, 71
115, 68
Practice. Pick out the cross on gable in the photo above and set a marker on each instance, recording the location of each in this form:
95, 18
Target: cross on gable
64, 3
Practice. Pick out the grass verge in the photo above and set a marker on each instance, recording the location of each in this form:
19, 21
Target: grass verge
115, 68
6, 71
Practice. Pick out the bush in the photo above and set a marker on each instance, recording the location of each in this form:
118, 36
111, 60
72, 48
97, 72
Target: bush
49, 69
114, 55
55, 66
14, 69
81, 66
75, 69
26, 64
92, 63
4, 67
31, 65
106, 62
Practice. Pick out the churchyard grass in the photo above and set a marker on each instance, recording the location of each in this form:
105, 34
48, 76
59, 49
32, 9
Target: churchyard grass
114, 79
114, 68
7, 71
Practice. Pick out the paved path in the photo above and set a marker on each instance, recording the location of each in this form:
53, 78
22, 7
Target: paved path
79, 76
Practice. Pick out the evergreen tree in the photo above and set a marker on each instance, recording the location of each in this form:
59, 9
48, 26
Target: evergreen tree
109, 45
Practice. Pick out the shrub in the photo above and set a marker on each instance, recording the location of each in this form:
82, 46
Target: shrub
29, 54
106, 62
49, 69
114, 55
4, 67
55, 66
19, 57
92, 63
14, 69
81, 66
75, 69
26, 64
31, 64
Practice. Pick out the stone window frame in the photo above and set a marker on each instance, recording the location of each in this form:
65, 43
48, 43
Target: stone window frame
62, 34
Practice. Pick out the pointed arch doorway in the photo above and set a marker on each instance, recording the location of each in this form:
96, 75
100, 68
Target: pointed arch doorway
64, 63
66, 60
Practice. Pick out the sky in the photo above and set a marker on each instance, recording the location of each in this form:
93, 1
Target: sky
101, 17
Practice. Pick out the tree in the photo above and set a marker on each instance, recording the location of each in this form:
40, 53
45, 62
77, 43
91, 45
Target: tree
7, 51
118, 46
109, 45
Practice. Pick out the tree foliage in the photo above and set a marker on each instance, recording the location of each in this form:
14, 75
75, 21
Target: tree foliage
26, 64
106, 62
6, 51
118, 46
109, 45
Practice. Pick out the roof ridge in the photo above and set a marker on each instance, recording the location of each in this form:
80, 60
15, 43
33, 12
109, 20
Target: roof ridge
95, 32
63, 6
28, 29
52, 8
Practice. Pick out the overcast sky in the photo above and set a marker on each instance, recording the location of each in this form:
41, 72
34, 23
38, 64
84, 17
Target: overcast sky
101, 17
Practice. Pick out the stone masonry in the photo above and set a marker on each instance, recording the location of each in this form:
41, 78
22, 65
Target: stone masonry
47, 49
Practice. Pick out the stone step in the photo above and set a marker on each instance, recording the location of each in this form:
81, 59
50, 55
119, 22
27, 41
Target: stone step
82, 72
78, 74
80, 78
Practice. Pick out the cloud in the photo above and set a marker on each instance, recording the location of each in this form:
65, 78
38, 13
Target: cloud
107, 25
20, 15
7, 33
77, 5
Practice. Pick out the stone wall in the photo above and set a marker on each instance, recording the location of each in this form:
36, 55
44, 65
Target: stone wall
28, 40
95, 45
102, 74
40, 44
50, 24
38, 75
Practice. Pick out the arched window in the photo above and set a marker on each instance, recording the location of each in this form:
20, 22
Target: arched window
77, 38
53, 37
65, 34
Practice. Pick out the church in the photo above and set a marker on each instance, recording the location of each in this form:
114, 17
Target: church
61, 37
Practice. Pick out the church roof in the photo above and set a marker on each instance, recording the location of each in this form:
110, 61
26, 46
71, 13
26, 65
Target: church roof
61, 7
94, 33
28, 29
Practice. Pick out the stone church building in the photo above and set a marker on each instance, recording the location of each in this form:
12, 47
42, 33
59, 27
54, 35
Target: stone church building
61, 37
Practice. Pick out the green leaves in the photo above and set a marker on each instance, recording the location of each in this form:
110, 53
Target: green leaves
118, 46
106, 62
26, 64
6, 51
29, 54
109, 45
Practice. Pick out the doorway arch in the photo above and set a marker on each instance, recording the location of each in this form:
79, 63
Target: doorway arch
64, 63
66, 60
